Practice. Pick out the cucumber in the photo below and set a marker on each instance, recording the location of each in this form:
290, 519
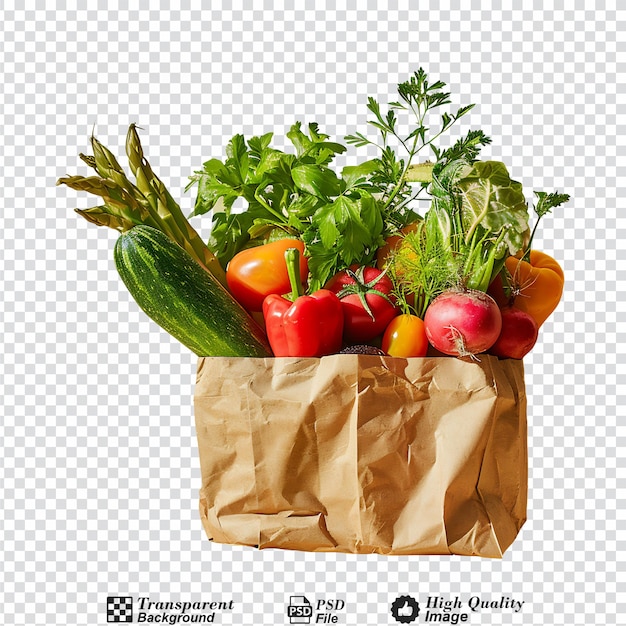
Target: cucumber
183, 298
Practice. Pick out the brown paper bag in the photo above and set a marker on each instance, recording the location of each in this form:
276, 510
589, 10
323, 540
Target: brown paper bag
363, 454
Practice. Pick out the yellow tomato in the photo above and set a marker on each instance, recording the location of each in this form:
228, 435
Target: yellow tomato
405, 337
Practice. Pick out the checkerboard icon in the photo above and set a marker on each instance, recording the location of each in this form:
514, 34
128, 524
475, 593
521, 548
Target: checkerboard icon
119, 610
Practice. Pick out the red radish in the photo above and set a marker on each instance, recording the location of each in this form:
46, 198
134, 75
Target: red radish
462, 323
518, 335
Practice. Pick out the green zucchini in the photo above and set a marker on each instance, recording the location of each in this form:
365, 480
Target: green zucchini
183, 298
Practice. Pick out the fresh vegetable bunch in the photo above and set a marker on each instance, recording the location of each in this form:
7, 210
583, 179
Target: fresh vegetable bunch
306, 260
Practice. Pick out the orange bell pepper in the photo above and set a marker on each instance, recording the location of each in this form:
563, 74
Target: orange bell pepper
536, 285
257, 272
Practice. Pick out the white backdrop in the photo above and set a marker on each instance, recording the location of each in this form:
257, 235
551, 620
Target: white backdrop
100, 474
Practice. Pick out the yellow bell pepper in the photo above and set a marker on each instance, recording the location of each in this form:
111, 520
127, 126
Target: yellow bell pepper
537, 284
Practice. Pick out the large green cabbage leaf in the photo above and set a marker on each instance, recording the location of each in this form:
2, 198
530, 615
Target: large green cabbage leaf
491, 200
477, 218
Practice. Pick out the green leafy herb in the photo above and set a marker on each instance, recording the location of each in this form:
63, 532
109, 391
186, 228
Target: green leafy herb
418, 98
545, 204
477, 216
420, 270
299, 194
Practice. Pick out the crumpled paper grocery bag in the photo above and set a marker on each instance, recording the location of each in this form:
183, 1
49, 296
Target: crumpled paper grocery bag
363, 454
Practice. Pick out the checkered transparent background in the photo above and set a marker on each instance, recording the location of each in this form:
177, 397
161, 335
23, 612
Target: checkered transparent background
99, 466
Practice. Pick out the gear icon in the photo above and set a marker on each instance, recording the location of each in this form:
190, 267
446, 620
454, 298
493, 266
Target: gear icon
405, 609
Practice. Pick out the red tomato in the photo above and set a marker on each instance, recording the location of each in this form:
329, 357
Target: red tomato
405, 337
368, 306
255, 273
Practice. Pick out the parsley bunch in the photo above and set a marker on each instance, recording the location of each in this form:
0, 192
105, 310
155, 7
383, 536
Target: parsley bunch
292, 195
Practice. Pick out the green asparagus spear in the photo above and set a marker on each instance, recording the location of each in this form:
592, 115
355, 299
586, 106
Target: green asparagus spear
146, 202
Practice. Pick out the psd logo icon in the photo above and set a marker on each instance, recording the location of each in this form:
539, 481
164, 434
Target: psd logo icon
299, 610
119, 610
405, 609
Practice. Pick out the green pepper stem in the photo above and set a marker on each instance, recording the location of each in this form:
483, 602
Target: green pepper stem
292, 259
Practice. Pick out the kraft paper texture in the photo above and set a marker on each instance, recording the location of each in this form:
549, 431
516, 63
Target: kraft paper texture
363, 454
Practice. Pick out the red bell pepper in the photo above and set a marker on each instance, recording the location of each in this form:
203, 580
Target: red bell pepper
303, 326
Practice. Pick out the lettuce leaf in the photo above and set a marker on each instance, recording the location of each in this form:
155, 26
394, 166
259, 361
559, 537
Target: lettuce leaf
478, 216
491, 200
